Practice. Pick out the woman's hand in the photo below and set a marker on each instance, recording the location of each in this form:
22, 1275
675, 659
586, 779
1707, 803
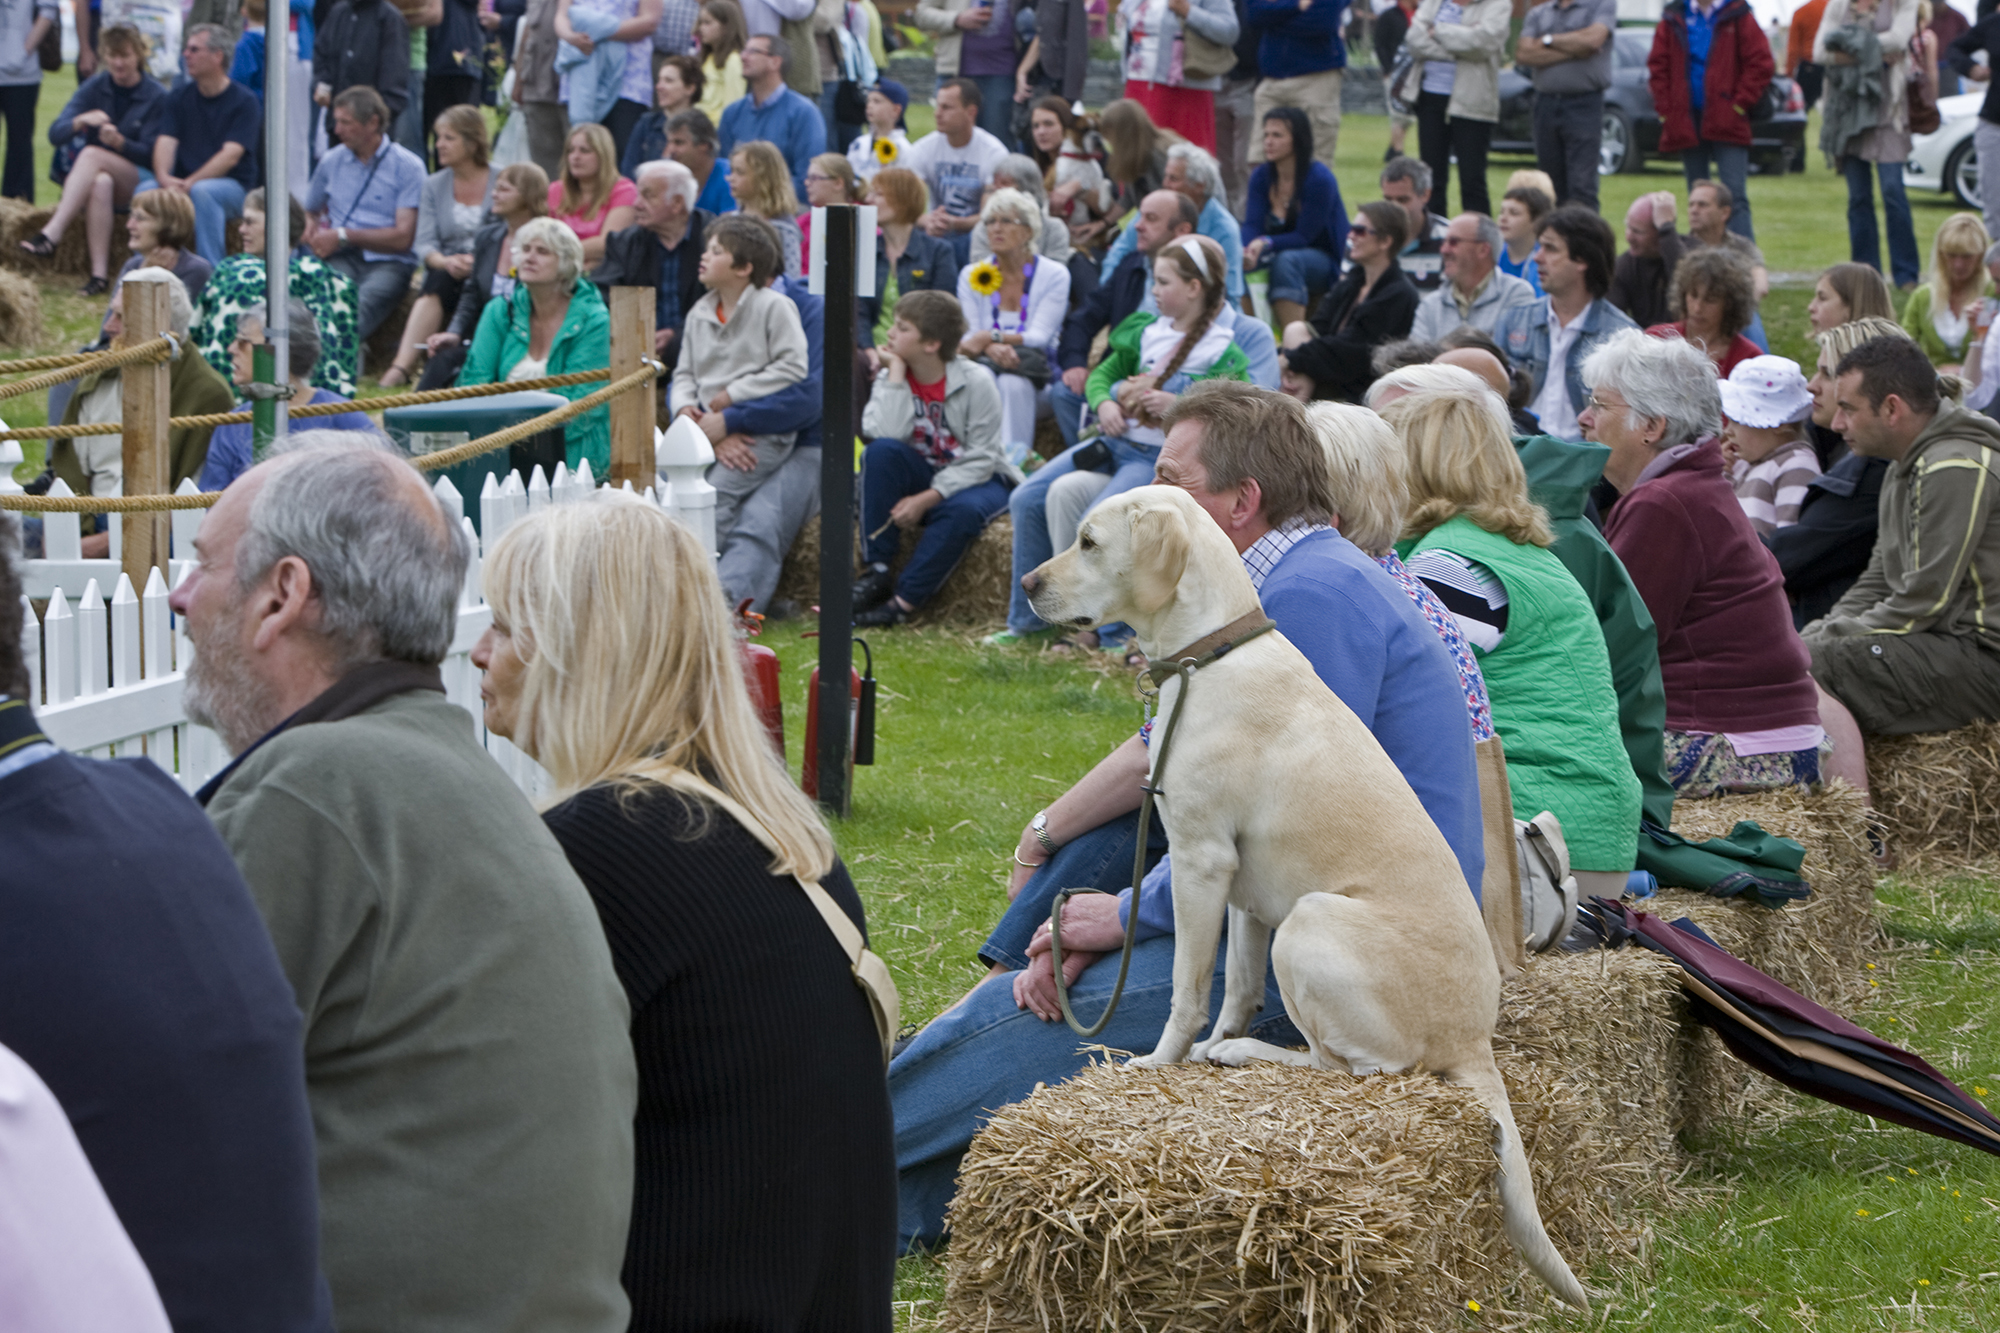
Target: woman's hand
974, 344
1003, 356
89, 118
459, 266
1111, 417
437, 342
1154, 404
1254, 252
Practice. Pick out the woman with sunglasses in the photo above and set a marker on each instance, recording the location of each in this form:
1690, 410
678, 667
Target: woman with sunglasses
1373, 303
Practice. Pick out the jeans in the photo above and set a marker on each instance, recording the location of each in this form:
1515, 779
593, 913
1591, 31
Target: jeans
380, 285
892, 470
1299, 275
17, 106
1986, 147
1755, 333
1132, 465
1864, 244
1732, 168
996, 108
216, 200
1440, 137
961, 246
1569, 132
1069, 409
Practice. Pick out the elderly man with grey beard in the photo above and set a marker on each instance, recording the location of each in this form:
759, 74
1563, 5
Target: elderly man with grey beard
466, 1056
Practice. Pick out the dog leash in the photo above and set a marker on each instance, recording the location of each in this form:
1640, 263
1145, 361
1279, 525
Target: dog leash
1202, 652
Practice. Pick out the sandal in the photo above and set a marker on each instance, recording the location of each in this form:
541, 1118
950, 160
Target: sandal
39, 245
96, 286
403, 377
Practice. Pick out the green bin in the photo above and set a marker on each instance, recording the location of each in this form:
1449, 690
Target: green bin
433, 427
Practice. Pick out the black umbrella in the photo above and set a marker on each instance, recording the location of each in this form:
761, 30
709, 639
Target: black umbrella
1775, 1029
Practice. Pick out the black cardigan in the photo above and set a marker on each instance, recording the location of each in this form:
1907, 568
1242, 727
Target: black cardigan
1338, 363
764, 1190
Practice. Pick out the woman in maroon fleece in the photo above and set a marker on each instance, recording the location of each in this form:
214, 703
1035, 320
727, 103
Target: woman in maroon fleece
1742, 712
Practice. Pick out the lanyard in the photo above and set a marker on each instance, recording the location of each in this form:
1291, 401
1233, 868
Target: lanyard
1027, 281
380, 154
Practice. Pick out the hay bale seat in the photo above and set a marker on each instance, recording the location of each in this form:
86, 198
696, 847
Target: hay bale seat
1198, 1198
20, 311
1938, 794
975, 594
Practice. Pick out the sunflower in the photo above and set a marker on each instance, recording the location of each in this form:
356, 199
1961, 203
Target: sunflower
886, 152
985, 278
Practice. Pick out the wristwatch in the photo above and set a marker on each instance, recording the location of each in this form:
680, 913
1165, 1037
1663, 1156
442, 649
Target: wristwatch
340, 234
1039, 826
1548, 39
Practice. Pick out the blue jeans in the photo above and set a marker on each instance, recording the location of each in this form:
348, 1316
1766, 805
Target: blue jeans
1864, 243
1132, 466
996, 106
1755, 333
215, 200
1732, 168
1069, 409
1298, 275
891, 470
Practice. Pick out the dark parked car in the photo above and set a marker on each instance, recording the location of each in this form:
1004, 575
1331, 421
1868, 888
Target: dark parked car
1632, 127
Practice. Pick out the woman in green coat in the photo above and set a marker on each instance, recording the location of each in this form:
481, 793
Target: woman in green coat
553, 323
1941, 313
1476, 539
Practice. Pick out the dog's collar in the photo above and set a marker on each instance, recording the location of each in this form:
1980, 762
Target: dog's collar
1209, 647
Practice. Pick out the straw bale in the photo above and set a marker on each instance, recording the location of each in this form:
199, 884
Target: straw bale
974, 594
1819, 946
1938, 795
18, 221
20, 311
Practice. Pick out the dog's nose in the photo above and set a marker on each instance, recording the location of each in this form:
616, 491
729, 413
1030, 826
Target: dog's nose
1030, 581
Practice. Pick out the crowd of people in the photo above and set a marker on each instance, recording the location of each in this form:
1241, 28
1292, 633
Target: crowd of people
1541, 509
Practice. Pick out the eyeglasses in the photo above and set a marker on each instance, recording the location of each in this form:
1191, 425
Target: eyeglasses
1596, 404
1361, 229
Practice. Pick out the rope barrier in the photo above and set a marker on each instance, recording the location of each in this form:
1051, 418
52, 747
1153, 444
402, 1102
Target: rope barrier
443, 458
159, 349
382, 404
45, 363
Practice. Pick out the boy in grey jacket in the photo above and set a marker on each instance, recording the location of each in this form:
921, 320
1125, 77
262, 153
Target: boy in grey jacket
741, 341
934, 460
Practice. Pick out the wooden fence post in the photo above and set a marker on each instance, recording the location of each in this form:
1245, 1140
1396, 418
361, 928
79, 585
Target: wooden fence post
146, 390
632, 412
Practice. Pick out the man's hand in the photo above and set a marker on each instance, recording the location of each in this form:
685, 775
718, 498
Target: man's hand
661, 337
1665, 208
323, 242
1180, 8
86, 62
736, 453
712, 425
1075, 378
322, 94
489, 19
910, 510
936, 223
1110, 417
1091, 929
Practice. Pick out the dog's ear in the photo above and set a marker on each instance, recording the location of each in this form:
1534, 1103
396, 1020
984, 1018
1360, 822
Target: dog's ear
1159, 555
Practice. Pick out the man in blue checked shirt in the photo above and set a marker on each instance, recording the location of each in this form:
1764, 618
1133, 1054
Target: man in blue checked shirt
362, 206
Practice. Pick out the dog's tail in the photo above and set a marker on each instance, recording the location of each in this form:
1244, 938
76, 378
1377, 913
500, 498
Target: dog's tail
1517, 1190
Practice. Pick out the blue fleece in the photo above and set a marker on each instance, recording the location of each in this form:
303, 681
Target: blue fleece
1295, 43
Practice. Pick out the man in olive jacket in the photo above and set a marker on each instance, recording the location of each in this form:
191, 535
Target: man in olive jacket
466, 1049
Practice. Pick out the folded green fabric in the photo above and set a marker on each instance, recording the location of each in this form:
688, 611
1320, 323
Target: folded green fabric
1749, 861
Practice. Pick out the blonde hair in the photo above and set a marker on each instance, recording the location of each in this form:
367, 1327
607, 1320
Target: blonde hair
837, 166
1841, 339
1959, 234
1366, 472
531, 183
583, 199
1461, 457
1532, 179
631, 674
761, 181
1211, 273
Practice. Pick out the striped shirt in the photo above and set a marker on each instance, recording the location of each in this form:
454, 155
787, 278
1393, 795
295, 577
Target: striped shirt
1771, 491
1473, 594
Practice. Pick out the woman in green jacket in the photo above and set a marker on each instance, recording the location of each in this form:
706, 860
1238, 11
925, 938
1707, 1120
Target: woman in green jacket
1477, 540
554, 323
1940, 314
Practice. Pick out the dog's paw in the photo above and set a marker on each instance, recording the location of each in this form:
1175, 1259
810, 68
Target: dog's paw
1232, 1051
1155, 1060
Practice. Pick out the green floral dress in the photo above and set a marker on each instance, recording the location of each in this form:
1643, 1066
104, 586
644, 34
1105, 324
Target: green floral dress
238, 283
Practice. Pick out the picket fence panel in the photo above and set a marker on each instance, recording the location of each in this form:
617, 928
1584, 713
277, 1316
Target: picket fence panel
107, 677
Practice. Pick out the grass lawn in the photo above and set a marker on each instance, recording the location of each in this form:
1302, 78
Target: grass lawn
1825, 1222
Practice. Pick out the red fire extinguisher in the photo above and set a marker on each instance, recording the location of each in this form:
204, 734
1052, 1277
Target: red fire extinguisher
760, 673
860, 723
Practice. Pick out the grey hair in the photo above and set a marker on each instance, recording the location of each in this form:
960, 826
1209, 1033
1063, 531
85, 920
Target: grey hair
1020, 208
559, 238
1026, 175
1489, 233
1410, 169
1659, 377
1367, 471
180, 310
1201, 168
303, 335
387, 571
679, 179
217, 39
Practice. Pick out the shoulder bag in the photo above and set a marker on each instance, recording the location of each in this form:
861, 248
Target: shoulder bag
1548, 890
1203, 57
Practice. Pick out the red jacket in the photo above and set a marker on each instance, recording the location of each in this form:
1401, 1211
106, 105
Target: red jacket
1739, 69
1729, 658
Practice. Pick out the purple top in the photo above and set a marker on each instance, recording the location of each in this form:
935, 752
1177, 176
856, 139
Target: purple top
984, 52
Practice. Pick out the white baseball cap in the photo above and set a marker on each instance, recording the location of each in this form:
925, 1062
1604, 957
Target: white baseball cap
1766, 391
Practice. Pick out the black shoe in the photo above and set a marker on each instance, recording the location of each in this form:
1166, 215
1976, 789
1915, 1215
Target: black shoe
873, 588
888, 613
95, 287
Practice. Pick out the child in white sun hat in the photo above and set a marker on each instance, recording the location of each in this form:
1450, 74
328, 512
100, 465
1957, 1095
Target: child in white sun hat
1765, 405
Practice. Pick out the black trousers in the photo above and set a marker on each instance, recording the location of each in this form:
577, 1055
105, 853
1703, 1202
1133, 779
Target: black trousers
1441, 137
442, 91
1569, 131
623, 118
17, 105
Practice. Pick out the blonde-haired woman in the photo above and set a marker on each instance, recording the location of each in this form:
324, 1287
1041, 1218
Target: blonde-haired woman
552, 323
1014, 306
762, 184
455, 204
1478, 541
592, 199
764, 1187
1941, 313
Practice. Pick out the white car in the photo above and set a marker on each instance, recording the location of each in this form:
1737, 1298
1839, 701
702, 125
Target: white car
1943, 159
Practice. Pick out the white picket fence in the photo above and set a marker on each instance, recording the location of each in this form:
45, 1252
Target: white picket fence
107, 677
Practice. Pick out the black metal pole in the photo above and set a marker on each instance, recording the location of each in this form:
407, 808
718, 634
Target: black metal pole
836, 515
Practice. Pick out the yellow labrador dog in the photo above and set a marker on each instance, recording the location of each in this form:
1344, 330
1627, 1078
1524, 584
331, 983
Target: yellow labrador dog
1283, 809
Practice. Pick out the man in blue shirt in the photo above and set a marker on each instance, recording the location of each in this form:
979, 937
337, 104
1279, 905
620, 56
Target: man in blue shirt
137, 978
1251, 459
773, 112
362, 206
207, 148
691, 142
